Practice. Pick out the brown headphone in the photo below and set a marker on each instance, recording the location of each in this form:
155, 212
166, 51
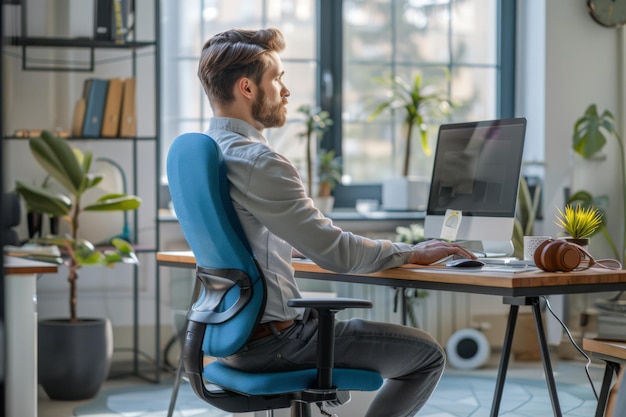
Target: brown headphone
555, 255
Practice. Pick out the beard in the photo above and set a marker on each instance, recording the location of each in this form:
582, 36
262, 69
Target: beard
267, 113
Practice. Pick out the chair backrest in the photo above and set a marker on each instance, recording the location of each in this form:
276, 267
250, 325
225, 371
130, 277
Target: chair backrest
233, 293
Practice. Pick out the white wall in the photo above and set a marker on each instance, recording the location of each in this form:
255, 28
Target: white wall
578, 65
566, 61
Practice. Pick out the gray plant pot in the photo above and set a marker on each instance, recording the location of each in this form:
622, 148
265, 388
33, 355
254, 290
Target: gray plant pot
74, 358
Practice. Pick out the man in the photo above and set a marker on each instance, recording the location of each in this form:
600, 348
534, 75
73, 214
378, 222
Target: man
242, 75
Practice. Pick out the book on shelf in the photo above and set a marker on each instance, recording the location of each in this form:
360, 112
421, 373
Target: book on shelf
128, 120
112, 108
94, 92
79, 117
120, 20
103, 24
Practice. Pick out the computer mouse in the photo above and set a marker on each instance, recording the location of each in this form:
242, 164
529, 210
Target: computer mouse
465, 263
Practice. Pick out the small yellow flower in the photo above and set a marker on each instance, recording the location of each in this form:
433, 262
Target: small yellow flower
579, 222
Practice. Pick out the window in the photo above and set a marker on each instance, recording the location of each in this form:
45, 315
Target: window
188, 24
335, 49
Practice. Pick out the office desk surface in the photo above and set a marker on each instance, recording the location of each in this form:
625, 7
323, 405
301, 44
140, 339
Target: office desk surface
16, 265
519, 284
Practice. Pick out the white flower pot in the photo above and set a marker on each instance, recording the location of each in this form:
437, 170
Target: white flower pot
405, 193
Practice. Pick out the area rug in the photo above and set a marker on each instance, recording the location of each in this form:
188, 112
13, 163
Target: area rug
149, 400
455, 396
467, 396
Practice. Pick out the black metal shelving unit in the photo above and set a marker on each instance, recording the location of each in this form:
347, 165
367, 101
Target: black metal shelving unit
130, 46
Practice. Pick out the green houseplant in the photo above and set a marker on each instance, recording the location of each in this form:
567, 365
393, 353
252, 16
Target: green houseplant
525, 215
590, 136
316, 123
328, 172
418, 102
86, 357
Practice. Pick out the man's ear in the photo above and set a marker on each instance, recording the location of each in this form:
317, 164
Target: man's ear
246, 87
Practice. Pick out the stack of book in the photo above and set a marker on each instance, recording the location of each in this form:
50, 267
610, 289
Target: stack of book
106, 109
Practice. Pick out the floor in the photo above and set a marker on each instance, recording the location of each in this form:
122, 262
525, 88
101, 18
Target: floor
565, 371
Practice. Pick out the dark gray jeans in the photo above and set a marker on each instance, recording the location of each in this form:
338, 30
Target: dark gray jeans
409, 359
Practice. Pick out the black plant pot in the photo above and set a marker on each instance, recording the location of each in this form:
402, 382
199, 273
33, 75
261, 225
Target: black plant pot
74, 358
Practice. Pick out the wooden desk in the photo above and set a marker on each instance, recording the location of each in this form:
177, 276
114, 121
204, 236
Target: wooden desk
517, 289
20, 300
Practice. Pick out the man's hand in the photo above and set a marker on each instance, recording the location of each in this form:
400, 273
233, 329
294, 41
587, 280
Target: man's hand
430, 251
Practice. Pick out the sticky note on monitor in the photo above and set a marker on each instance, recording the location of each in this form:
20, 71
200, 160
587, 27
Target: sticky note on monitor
451, 223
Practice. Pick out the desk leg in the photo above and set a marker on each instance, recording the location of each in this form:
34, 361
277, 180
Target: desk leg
612, 368
504, 360
515, 302
545, 357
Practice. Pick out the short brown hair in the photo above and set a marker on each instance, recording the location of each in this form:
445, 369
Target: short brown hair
233, 54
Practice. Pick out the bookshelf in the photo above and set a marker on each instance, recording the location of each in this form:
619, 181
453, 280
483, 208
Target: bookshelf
141, 151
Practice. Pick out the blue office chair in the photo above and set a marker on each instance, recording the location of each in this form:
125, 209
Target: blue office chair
231, 300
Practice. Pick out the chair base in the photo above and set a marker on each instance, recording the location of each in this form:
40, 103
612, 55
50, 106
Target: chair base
300, 409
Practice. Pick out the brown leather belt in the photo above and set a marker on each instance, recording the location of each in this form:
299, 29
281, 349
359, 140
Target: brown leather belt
264, 329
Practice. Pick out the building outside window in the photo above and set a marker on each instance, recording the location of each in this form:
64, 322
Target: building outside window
335, 50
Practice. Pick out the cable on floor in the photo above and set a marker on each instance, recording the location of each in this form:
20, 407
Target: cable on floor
569, 335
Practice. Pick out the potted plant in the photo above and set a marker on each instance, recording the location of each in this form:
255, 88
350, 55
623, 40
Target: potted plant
316, 123
579, 222
418, 102
74, 353
590, 136
329, 175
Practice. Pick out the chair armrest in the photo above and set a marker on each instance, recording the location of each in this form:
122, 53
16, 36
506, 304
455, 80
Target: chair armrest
326, 308
335, 304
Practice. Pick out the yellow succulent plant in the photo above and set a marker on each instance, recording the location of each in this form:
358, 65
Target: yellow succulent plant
579, 222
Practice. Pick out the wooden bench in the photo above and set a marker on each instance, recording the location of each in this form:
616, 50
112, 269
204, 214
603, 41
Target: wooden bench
614, 354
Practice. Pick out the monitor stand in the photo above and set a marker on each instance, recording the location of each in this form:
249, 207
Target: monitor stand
489, 248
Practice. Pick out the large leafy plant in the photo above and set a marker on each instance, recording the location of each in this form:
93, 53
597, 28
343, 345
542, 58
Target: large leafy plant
70, 168
590, 136
419, 101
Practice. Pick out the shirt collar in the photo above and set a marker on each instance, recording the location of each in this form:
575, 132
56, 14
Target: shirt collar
237, 126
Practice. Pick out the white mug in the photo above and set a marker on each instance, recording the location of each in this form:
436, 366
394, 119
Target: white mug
531, 243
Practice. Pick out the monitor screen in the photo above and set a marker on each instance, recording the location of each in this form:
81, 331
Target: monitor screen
476, 171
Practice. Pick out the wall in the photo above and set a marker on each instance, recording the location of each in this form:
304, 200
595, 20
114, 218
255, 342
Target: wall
566, 62
581, 67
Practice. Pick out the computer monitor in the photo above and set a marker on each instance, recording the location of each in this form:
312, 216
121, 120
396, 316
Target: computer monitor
476, 171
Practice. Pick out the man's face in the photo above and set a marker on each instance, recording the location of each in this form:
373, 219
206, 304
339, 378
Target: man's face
269, 108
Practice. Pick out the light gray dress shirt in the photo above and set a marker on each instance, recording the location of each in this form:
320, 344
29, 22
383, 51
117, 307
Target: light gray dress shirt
276, 215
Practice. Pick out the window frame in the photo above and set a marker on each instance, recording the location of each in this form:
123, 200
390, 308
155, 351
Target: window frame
330, 78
